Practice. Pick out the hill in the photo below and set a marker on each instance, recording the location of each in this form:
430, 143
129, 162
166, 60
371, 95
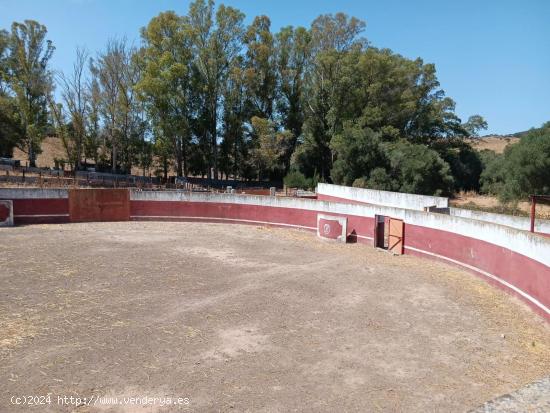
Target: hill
52, 148
495, 143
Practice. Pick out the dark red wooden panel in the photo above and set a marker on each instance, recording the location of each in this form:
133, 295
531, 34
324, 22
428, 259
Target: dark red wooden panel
89, 205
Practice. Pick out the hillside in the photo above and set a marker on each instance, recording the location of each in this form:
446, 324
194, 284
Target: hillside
52, 148
495, 143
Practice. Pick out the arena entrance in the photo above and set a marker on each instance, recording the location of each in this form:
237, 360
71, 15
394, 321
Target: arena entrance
389, 234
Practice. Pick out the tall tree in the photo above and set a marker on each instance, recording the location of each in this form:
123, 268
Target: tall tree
31, 81
11, 133
268, 148
165, 84
217, 42
293, 52
234, 147
71, 117
260, 74
333, 38
474, 125
117, 75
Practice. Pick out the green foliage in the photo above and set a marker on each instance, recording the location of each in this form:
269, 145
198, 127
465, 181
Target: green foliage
419, 169
29, 82
293, 51
465, 162
492, 177
212, 97
165, 84
269, 147
358, 152
379, 179
474, 125
11, 130
522, 170
296, 179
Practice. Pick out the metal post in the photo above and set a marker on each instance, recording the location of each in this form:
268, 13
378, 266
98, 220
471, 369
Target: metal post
533, 209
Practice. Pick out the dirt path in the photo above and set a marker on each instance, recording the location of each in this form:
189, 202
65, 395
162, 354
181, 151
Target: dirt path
239, 318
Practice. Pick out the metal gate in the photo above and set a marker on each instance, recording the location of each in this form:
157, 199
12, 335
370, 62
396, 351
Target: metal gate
396, 235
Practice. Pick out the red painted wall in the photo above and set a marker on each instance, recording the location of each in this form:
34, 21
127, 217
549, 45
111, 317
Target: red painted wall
528, 275
40, 211
179, 210
99, 205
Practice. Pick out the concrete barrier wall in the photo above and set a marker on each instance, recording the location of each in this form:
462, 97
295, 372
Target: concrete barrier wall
515, 260
523, 223
38, 206
338, 193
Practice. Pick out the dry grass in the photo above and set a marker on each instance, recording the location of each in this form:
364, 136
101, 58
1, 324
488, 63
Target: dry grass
493, 143
488, 203
52, 148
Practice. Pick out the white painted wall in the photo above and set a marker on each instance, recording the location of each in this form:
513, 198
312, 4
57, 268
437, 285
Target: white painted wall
523, 223
534, 246
33, 193
386, 198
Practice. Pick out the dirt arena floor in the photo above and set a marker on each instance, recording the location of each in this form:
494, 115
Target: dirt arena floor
240, 318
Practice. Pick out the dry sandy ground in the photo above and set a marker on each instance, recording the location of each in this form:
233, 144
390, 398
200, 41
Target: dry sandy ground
239, 318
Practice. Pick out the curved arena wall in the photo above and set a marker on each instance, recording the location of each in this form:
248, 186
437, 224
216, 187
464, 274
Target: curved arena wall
514, 260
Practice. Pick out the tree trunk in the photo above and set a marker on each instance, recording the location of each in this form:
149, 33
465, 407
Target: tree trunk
213, 137
113, 159
32, 160
184, 156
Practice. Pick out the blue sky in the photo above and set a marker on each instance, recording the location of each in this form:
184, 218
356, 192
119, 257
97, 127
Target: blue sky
492, 56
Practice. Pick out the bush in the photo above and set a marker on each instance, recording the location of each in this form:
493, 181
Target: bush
465, 163
417, 169
524, 169
296, 179
492, 177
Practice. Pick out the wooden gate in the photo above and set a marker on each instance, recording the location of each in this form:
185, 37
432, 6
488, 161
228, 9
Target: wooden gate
96, 205
395, 243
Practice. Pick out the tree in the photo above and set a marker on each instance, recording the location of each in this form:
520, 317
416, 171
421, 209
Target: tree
117, 74
358, 153
234, 147
416, 169
165, 84
465, 162
492, 176
333, 37
31, 81
524, 169
216, 43
474, 125
293, 52
269, 148
72, 116
259, 62
11, 132
94, 146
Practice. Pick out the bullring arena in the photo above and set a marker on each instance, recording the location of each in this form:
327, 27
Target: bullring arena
122, 293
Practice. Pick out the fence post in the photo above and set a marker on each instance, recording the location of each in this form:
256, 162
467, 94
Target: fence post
533, 211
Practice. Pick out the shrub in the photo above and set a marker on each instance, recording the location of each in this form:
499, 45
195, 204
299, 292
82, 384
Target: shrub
296, 179
524, 168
